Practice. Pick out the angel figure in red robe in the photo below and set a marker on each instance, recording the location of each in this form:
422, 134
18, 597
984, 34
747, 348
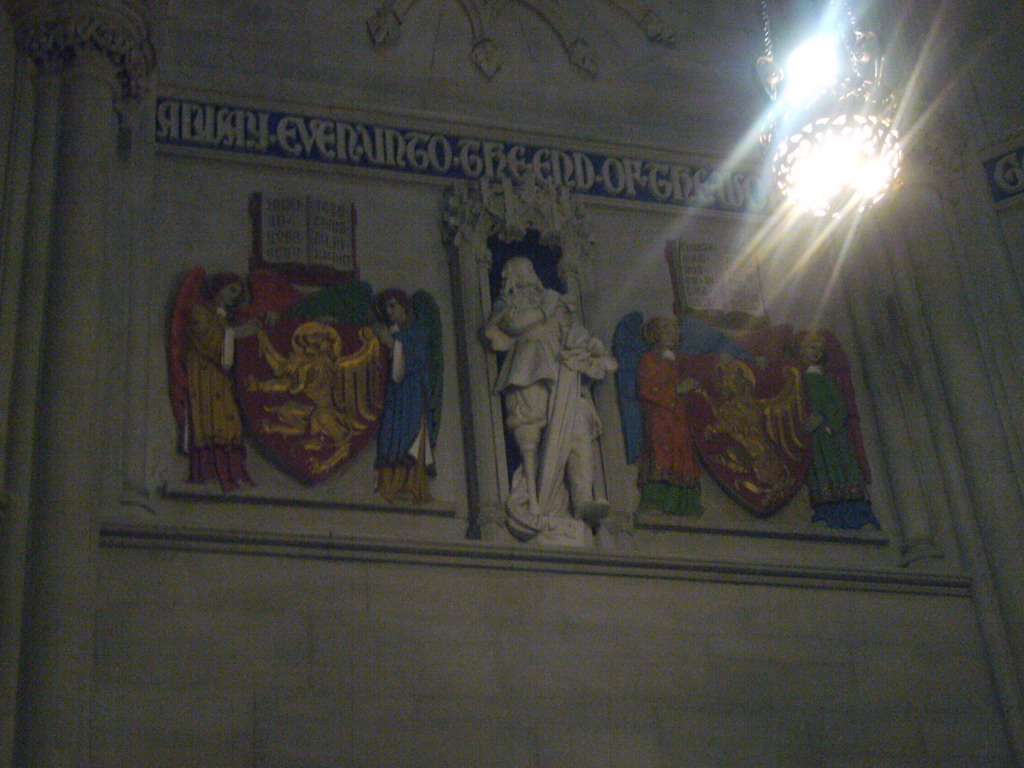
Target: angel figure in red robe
669, 476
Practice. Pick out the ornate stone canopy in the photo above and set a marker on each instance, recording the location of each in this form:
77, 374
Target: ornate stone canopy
503, 208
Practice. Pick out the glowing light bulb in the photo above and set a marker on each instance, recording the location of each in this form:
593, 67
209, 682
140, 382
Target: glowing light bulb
810, 68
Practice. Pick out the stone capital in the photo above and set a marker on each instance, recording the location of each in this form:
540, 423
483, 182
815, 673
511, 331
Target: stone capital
53, 32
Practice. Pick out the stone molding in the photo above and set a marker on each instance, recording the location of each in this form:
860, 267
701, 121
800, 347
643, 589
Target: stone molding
116, 535
52, 34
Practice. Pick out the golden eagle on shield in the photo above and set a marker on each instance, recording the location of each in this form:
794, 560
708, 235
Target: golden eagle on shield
330, 396
755, 442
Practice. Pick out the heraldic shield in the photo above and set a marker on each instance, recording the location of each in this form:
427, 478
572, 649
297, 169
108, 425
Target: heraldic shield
748, 425
311, 392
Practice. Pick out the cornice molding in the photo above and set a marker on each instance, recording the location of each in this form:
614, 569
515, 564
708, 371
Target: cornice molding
116, 535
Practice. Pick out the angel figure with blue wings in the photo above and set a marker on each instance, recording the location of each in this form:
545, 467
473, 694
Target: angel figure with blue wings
407, 437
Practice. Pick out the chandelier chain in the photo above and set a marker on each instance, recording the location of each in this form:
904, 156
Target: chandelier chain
769, 48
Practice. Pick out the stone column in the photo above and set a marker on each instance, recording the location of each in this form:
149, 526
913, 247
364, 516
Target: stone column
97, 50
26, 255
903, 443
970, 322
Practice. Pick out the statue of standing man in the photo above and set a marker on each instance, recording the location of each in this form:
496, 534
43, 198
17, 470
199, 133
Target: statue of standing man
550, 363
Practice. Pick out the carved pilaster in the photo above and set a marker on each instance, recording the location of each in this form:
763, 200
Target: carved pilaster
52, 34
83, 50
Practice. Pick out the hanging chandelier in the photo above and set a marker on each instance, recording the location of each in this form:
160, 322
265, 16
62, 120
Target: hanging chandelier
833, 146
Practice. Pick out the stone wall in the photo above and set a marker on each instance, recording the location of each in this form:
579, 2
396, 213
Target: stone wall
222, 655
300, 625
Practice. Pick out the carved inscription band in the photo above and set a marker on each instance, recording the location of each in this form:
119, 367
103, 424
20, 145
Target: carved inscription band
332, 141
51, 34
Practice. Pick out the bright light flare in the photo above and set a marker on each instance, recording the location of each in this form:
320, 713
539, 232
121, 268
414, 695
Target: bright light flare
811, 68
838, 163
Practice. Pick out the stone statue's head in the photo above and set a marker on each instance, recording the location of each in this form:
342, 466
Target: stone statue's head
518, 272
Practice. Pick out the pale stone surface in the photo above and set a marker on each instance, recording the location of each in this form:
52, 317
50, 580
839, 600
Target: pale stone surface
446, 666
164, 727
545, 380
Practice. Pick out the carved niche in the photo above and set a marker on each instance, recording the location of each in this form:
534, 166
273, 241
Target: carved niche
506, 209
486, 224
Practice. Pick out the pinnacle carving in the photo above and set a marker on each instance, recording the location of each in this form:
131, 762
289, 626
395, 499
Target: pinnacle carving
487, 57
52, 34
385, 25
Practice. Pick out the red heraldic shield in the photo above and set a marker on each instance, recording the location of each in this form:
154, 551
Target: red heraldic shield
311, 393
748, 425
